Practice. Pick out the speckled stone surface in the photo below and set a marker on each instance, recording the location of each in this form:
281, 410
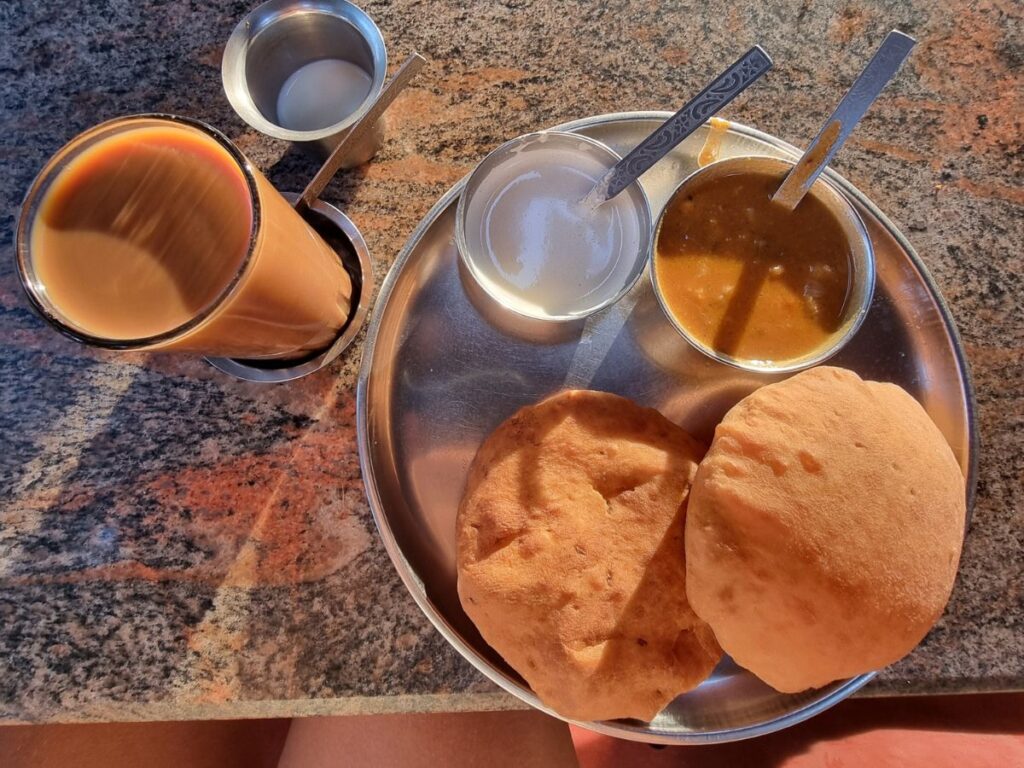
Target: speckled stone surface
175, 544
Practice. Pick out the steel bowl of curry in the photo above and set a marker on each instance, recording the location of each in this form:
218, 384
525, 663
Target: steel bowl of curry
755, 285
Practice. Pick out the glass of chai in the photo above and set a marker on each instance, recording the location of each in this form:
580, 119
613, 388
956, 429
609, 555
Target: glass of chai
154, 232
530, 241
752, 284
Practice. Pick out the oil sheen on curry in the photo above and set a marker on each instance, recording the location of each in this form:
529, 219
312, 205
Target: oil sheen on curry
747, 278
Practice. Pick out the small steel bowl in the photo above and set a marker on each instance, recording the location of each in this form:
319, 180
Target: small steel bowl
280, 36
862, 266
526, 143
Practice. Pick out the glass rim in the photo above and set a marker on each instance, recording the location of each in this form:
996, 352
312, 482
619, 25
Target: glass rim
645, 218
47, 309
856, 314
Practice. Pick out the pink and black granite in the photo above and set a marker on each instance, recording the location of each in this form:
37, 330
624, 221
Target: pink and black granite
174, 543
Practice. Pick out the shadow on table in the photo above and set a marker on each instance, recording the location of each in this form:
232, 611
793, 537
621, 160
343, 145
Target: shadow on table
297, 167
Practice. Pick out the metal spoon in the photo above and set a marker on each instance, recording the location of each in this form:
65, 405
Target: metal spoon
405, 74
876, 75
723, 89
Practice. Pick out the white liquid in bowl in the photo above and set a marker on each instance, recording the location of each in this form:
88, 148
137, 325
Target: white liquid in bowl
321, 94
533, 244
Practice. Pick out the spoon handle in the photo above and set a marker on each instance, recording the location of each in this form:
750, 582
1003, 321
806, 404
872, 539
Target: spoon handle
405, 74
727, 86
876, 75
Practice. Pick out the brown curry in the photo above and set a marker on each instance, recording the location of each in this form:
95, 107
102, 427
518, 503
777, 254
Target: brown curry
748, 278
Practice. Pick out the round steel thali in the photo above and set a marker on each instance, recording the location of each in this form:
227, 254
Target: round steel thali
442, 367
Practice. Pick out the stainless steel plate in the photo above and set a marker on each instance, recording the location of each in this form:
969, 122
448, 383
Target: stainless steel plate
442, 368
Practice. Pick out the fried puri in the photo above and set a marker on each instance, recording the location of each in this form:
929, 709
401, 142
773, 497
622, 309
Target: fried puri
824, 528
570, 555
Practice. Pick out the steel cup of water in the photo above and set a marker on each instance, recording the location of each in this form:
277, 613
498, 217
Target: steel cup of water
281, 37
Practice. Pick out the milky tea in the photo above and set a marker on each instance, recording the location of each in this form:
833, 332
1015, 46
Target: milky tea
148, 233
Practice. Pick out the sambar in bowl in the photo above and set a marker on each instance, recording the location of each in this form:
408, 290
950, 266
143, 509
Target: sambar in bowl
753, 284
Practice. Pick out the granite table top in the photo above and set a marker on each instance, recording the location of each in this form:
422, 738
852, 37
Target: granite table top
177, 544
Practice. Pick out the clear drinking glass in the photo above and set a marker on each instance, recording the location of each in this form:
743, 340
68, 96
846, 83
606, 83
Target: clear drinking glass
282, 294
526, 237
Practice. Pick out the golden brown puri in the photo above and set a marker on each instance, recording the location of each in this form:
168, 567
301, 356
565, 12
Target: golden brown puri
570, 555
824, 528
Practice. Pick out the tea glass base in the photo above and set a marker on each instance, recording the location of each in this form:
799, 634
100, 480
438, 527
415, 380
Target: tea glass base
347, 242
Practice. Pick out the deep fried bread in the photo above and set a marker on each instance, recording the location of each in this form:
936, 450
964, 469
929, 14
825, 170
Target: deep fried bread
824, 528
570, 555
